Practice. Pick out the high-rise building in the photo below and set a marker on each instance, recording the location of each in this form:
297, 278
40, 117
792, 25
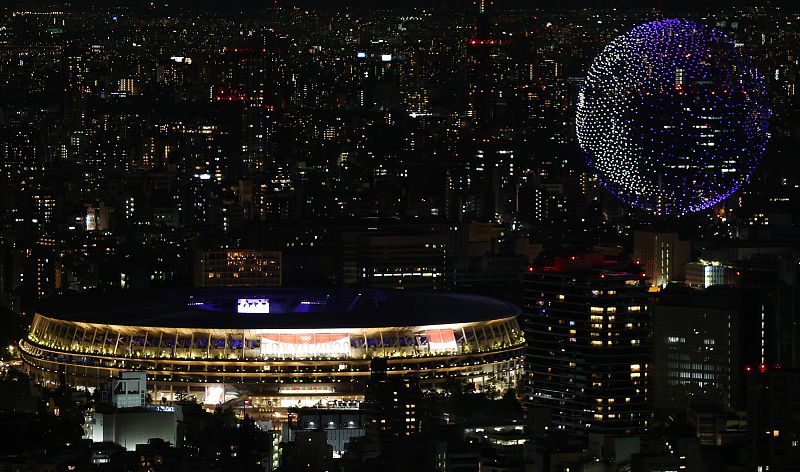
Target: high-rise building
588, 358
255, 76
696, 348
663, 256
400, 256
774, 417
43, 209
703, 274
481, 83
237, 268
391, 403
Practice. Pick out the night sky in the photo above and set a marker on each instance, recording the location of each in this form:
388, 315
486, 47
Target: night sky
242, 5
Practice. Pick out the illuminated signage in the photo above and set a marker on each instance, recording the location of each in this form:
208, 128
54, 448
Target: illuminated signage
215, 394
305, 344
253, 305
441, 340
386, 57
305, 389
361, 55
159, 408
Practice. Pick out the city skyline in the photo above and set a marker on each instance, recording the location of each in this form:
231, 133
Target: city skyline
485, 235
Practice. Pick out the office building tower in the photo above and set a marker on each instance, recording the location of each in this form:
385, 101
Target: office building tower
703, 274
774, 416
587, 324
391, 403
696, 348
663, 256
237, 268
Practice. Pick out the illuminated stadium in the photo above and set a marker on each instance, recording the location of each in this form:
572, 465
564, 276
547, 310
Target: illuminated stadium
276, 347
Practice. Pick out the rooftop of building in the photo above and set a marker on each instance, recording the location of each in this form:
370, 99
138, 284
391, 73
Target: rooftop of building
715, 296
274, 308
595, 264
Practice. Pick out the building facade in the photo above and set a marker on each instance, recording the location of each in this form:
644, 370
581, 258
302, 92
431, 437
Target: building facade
237, 268
696, 348
663, 256
588, 354
774, 415
285, 348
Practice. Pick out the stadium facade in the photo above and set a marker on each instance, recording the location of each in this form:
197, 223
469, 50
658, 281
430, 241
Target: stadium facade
277, 347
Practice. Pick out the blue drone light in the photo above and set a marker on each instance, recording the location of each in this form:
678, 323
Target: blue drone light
672, 117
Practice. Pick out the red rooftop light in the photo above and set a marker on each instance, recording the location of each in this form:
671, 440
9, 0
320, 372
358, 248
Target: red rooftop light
481, 42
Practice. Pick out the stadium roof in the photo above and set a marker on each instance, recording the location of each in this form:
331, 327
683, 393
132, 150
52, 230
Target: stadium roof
288, 308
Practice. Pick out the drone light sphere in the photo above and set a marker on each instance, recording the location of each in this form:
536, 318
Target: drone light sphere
672, 117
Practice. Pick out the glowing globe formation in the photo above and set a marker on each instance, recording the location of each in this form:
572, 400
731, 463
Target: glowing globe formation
672, 117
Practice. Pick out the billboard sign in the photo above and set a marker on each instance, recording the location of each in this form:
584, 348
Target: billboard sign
441, 340
253, 305
305, 344
215, 394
